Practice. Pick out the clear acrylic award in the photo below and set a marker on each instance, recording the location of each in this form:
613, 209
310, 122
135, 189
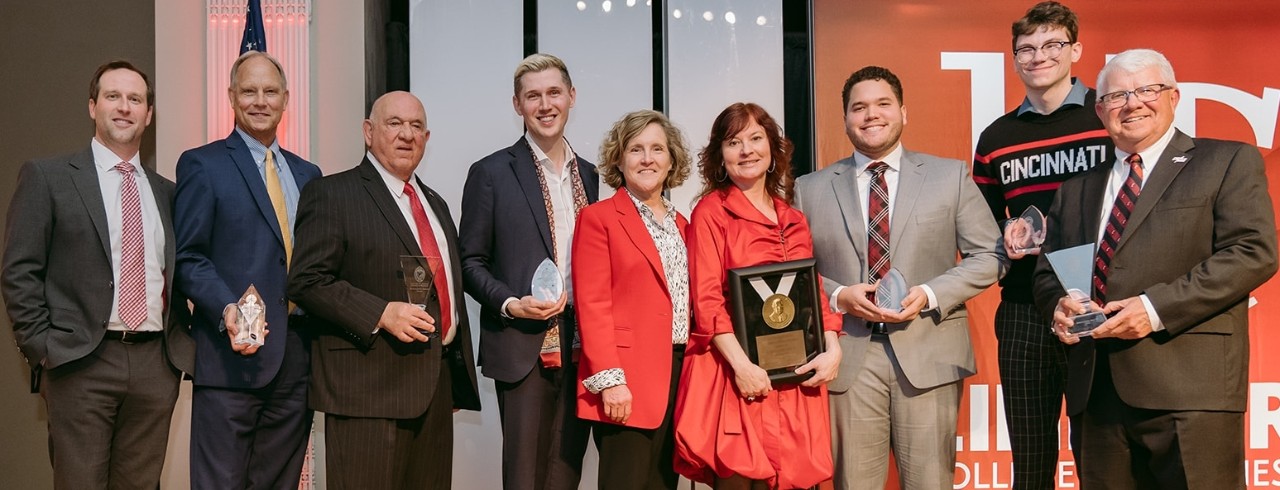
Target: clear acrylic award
1026, 233
891, 290
251, 318
547, 283
1074, 268
419, 274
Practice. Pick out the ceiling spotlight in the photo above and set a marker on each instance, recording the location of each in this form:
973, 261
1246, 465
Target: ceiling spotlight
677, 13
631, 3
707, 16
606, 6
761, 20
582, 6
730, 18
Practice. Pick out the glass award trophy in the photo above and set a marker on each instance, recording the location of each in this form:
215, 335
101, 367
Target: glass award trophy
251, 318
547, 283
1026, 233
1074, 268
891, 290
419, 273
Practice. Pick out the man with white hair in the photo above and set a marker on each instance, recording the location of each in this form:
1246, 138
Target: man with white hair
1158, 392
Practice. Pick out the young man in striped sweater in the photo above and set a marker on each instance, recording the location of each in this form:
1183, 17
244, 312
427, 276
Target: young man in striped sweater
1020, 161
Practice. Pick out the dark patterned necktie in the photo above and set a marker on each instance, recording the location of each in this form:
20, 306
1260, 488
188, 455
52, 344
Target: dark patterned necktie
1119, 216
877, 223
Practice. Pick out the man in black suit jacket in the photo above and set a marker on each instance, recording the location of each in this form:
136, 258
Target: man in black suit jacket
1158, 393
386, 373
88, 257
514, 200
249, 418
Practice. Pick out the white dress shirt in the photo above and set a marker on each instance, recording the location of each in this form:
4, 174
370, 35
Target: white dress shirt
109, 180
1120, 172
396, 186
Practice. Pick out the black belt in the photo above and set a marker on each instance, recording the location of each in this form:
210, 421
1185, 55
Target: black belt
128, 337
878, 328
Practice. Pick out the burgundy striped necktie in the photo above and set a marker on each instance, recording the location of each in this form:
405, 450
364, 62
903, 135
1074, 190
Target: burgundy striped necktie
877, 223
1119, 216
132, 296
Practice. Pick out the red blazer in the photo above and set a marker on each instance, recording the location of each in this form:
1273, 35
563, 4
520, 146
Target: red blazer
623, 308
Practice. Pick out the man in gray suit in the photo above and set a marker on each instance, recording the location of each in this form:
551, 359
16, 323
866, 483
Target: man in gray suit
1184, 231
882, 208
89, 250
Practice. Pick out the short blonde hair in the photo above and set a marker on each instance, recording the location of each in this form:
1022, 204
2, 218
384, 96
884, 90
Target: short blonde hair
626, 129
537, 62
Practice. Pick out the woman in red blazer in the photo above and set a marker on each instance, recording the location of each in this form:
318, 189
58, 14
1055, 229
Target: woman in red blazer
631, 290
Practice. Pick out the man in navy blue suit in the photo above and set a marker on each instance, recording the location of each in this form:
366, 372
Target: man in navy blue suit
514, 200
233, 217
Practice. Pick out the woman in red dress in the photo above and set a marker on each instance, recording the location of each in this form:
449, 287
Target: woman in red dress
733, 429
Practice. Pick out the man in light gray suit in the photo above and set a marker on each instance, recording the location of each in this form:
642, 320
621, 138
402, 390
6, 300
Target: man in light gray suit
882, 208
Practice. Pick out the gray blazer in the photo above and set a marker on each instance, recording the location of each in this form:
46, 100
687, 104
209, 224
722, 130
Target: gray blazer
57, 279
937, 212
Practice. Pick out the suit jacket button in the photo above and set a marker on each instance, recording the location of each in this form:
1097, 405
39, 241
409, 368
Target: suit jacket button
111, 284
282, 261
282, 301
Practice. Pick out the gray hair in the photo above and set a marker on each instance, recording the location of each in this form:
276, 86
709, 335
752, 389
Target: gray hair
235, 67
1136, 60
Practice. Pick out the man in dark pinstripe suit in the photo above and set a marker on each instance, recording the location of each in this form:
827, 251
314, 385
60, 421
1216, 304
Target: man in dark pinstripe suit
386, 373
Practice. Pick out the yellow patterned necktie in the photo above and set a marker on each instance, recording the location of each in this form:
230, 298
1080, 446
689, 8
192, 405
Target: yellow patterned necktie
276, 193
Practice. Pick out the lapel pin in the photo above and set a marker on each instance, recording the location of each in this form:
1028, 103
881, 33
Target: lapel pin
1180, 159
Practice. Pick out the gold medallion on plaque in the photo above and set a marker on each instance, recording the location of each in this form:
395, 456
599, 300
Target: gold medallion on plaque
778, 311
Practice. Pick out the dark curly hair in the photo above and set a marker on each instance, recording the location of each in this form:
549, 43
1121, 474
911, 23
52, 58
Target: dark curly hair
778, 182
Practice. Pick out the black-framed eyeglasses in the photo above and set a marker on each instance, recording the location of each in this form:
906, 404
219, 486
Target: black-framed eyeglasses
1050, 49
1145, 93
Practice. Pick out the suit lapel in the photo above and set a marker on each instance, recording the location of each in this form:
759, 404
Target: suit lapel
634, 226
522, 164
85, 180
590, 182
377, 189
1172, 161
911, 179
163, 200
845, 186
300, 178
253, 179
1092, 191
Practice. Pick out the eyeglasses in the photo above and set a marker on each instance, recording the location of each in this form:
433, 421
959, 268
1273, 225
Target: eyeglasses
1145, 93
1050, 49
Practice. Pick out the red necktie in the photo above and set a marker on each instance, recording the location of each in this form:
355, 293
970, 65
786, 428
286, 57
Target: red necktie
1119, 216
427, 242
132, 295
877, 223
